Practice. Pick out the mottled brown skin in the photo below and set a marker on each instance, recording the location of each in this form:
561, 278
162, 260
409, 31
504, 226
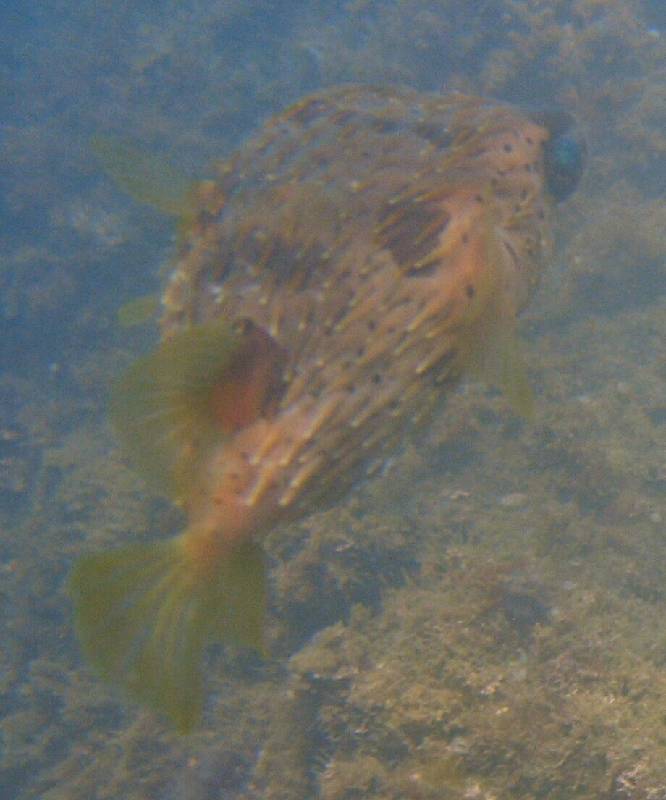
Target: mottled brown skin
353, 231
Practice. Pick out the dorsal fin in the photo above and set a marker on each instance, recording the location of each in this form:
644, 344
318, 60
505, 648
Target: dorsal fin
145, 177
138, 311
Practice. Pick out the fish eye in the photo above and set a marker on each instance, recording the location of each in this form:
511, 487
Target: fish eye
564, 161
563, 154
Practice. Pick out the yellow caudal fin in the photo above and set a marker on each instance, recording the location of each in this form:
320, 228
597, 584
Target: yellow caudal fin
145, 615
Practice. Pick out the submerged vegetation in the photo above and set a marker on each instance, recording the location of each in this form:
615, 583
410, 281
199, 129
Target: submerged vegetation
485, 621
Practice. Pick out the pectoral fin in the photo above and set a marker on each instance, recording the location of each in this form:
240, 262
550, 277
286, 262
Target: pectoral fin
162, 407
489, 344
202, 385
501, 364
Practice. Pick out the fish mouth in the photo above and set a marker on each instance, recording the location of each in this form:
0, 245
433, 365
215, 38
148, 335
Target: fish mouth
564, 154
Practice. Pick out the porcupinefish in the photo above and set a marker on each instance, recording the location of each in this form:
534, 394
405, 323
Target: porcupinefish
334, 279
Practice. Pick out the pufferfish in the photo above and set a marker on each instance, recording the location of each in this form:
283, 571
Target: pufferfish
334, 280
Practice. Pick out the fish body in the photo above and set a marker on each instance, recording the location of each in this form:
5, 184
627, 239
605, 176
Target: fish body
356, 233
335, 278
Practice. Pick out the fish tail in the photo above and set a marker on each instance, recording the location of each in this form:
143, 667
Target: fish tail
145, 614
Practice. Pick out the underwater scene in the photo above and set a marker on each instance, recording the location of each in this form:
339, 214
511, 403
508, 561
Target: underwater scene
333, 400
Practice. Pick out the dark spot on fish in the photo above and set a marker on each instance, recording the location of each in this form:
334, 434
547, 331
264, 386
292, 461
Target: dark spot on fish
465, 238
384, 125
529, 140
433, 133
371, 325
410, 229
285, 260
309, 111
478, 197
508, 148
351, 388
321, 160
377, 378
469, 291
344, 116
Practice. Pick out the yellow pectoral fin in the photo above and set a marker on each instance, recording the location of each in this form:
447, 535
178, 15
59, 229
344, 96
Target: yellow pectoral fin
490, 351
145, 614
500, 364
195, 390
488, 340
513, 380
162, 407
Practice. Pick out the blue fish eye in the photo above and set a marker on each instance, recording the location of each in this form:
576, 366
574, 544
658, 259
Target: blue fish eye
564, 161
563, 153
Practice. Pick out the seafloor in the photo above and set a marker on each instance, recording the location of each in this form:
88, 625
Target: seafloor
488, 620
